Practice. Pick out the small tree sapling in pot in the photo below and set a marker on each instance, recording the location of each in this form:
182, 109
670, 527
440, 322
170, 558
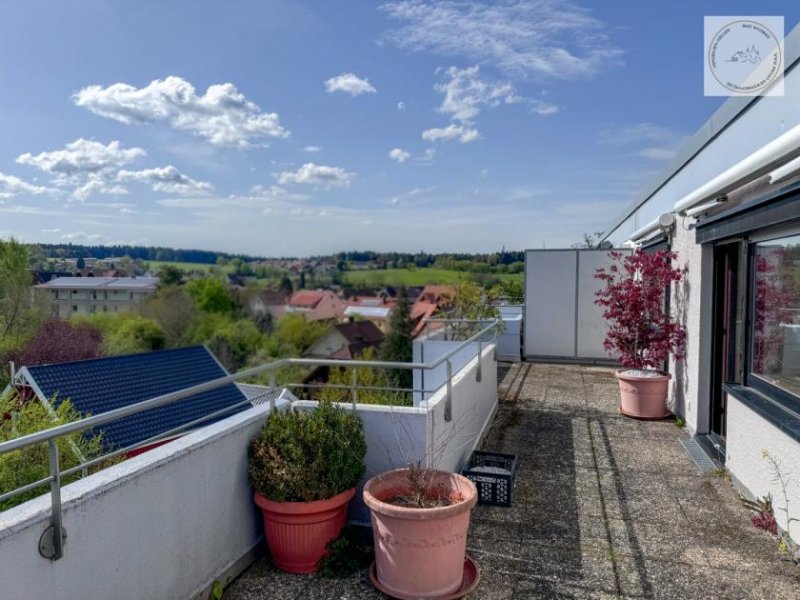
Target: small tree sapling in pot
641, 333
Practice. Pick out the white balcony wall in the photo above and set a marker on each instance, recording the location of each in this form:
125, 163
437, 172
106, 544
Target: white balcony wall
164, 524
167, 523
396, 436
474, 404
509, 341
429, 350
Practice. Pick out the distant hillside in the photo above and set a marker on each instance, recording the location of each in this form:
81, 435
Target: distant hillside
158, 253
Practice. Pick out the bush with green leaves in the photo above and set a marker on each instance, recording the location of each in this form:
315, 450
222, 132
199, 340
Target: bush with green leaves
306, 456
20, 467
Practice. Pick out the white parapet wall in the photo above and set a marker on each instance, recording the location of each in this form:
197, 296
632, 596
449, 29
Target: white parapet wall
164, 524
474, 404
167, 523
398, 435
509, 342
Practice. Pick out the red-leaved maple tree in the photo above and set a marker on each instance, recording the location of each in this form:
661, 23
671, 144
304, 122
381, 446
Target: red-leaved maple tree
640, 331
59, 341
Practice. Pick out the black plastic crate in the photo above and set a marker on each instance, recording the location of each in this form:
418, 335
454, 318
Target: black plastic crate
494, 489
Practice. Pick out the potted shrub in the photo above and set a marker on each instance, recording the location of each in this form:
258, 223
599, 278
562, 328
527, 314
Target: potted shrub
304, 467
420, 519
641, 333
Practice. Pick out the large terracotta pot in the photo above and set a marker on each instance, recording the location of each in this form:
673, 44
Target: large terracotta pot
419, 552
297, 532
643, 397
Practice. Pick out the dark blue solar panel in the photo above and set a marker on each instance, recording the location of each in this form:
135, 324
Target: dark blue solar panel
103, 384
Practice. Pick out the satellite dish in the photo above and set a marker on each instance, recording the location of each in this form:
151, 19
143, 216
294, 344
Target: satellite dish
606, 245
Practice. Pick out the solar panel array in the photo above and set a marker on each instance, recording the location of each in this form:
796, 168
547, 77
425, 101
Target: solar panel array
104, 384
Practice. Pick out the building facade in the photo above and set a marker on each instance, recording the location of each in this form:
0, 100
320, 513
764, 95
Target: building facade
729, 206
89, 295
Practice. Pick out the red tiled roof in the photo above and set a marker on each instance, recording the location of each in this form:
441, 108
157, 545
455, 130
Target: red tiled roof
307, 299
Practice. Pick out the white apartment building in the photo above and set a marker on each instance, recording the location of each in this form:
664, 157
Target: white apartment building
88, 295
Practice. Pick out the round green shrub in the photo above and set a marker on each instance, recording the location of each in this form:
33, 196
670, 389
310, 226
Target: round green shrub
306, 456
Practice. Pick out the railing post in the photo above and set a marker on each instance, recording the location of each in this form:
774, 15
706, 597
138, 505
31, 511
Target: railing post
51, 543
272, 391
478, 374
353, 391
422, 371
448, 401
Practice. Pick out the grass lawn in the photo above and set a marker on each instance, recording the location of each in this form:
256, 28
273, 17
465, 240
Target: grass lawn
154, 265
417, 277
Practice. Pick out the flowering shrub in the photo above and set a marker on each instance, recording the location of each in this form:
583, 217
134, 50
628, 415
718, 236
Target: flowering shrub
640, 331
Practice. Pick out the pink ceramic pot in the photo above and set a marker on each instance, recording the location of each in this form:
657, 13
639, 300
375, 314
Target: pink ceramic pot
297, 532
643, 397
419, 552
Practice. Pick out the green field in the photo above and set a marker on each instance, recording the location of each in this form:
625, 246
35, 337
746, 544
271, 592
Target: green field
417, 277
154, 265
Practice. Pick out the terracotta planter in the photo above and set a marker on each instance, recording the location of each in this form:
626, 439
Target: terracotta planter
297, 532
419, 552
643, 397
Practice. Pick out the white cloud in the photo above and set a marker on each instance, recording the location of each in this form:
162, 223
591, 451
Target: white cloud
274, 193
258, 196
401, 107
451, 132
317, 175
12, 186
427, 157
97, 185
167, 179
399, 155
543, 109
89, 166
656, 142
83, 236
658, 153
51, 231
350, 84
223, 115
466, 94
527, 39
81, 157
312, 149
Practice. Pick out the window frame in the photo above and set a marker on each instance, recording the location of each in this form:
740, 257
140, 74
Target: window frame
786, 399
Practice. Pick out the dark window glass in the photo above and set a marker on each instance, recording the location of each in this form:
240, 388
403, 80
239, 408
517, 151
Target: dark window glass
776, 313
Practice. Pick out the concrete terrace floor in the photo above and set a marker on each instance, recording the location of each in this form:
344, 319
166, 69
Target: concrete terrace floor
603, 507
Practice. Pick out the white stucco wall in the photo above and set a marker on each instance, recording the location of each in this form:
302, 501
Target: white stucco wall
474, 404
161, 525
749, 436
691, 303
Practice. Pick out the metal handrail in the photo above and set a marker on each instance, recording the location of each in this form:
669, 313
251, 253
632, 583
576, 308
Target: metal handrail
51, 543
132, 409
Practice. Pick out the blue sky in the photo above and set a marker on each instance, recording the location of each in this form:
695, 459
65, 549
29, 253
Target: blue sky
298, 128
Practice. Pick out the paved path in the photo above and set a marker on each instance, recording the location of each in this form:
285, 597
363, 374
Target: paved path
604, 507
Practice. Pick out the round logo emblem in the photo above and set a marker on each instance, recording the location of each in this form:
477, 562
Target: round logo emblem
745, 57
